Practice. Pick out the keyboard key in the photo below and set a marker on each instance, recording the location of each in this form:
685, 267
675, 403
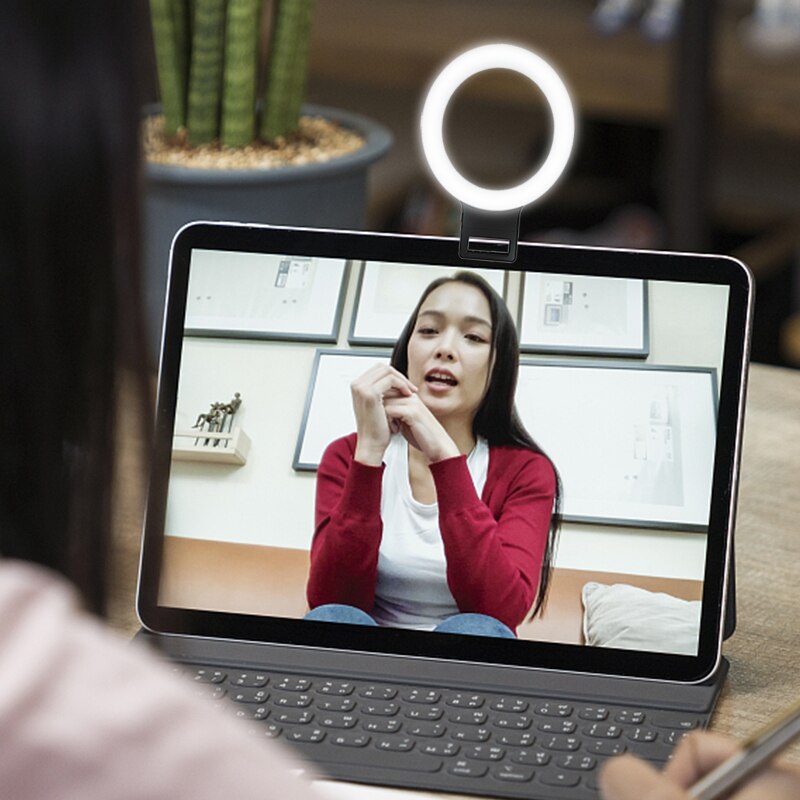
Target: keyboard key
350, 739
271, 730
250, 696
470, 734
533, 757
298, 700
426, 696
515, 738
429, 730
376, 692
441, 748
248, 712
560, 742
249, 679
582, 763
603, 730
557, 726
674, 723
311, 735
338, 688
673, 737
516, 722
559, 778
630, 717
464, 700
293, 716
594, 713
606, 747
484, 752
337, 720
382, 725
380, 708
292, 684
553, 710
513, 705
395, 743
371, 757
343, 704
468, 717
425, 712
205, 675
468, 769
642, 735
513, 774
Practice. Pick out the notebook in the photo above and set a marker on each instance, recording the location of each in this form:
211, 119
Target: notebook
629, 378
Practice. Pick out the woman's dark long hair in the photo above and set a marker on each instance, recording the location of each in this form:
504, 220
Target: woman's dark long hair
70, 294
496, 418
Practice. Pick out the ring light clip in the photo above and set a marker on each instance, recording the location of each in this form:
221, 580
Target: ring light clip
490, 217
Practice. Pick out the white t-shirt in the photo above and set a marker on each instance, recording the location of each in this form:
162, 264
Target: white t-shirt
412, 590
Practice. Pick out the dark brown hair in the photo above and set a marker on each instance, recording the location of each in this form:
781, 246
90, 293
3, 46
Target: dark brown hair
70, 297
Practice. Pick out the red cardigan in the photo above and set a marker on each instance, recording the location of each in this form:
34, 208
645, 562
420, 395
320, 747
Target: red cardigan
494, 545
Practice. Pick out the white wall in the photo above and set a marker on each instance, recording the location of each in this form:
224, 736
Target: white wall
267, 502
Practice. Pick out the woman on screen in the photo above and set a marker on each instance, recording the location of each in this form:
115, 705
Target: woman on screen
440, 512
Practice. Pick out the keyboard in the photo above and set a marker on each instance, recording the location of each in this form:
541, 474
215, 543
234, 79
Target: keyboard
429, 737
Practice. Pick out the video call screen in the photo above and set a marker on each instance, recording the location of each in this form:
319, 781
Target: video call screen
617, 383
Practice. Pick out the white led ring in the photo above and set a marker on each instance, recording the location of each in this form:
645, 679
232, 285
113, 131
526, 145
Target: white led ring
533, 67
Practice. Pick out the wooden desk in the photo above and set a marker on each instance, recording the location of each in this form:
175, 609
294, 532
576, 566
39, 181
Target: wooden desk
765, 650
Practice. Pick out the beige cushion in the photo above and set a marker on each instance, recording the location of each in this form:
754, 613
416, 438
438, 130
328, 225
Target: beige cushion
634, 619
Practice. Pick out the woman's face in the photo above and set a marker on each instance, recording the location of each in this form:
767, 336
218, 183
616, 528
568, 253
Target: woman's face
450, 348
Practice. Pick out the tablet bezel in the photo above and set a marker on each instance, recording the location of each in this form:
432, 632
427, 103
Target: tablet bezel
649, 265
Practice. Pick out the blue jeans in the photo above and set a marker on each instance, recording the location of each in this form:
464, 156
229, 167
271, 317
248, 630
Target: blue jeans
472, 624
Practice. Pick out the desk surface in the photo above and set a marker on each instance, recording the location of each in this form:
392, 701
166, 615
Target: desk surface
765, 649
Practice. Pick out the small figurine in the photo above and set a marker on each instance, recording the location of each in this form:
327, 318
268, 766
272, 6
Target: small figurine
218, 419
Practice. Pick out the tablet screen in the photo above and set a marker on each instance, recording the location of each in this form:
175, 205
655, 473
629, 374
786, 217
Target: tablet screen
585, 509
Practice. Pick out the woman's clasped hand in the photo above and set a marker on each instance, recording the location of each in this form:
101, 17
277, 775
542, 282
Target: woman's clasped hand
386, 402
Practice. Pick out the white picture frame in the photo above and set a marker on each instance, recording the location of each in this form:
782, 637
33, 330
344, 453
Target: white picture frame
634, 444
583, 315
265, 296
387, 293
328, 413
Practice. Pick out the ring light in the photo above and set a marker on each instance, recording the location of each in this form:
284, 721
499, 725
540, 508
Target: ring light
536, 69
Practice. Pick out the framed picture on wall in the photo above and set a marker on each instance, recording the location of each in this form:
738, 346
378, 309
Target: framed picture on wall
259, 296
633, 443
328, 412
387, 294
583, 315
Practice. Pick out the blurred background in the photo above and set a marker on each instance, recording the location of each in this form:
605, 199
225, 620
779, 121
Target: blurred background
688, 124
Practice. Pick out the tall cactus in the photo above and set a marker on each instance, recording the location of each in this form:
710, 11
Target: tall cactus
170, 36
207, 59
205, 74
288, 67
242, 30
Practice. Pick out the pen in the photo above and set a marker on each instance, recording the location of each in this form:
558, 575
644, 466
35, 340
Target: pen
756, 752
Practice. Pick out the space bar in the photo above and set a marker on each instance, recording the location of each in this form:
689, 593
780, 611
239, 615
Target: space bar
324, 753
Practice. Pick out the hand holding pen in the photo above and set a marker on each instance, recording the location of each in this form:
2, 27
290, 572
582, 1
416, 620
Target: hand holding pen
707, 766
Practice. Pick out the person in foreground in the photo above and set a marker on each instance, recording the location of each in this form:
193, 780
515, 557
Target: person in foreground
629, 778
83, 714
438, 513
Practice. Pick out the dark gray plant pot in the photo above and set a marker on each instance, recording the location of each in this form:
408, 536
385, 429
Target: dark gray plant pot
332, 194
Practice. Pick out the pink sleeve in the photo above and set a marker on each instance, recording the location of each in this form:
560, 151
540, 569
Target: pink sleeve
494, 560
86, 714
348, 530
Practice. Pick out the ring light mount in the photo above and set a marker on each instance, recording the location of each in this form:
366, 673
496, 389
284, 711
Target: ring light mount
490, 218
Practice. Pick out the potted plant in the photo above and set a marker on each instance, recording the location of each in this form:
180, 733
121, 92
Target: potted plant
234, 140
